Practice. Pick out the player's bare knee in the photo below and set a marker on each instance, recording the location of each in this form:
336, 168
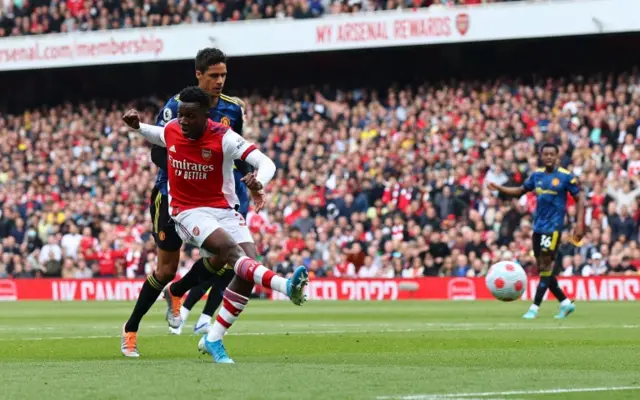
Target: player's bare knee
233, 253
249, 250
167, 266
166, 271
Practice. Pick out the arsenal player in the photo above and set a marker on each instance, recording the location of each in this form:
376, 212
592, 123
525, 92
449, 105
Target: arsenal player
201, 155
211, 73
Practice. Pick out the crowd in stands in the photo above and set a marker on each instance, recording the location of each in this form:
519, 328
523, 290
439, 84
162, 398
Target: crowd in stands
24, 17
369, 184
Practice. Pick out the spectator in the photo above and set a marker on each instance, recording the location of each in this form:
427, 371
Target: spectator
71, 241
596, 267
344, 268
51, 257
379, 182
82, 271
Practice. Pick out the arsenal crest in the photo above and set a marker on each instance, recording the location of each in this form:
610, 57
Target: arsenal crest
462, 23
206, 154
196, 231
225, 121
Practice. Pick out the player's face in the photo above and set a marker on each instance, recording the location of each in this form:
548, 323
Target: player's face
549, 157
212, 80
192, 120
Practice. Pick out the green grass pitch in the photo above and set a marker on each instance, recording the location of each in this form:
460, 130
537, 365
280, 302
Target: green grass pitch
327, 350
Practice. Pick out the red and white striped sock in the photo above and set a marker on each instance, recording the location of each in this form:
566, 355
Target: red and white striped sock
251, 270
232, 306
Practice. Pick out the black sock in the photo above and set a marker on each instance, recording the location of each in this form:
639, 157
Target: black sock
543, 285
200, 271
555, 289
213, 301
149, 293
195, 295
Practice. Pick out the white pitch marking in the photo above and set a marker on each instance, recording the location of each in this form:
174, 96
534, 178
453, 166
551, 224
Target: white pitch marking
427, 328
484, 395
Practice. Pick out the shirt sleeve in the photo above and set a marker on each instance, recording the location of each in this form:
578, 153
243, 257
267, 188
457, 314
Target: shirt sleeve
235, 147
573, 186
529, 184
154, 134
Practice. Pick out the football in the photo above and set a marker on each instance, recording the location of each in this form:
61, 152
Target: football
506, 280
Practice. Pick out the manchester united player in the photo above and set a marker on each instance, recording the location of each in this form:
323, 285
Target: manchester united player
201, 154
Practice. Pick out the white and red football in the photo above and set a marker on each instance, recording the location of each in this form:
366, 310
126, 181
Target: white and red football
506, 280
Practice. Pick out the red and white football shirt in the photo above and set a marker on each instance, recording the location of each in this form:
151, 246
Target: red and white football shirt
201, 171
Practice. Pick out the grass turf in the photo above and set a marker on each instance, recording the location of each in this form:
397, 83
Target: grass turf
326, 350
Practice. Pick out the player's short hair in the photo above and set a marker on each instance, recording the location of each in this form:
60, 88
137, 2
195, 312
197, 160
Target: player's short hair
194, 94
208, 57
549, 145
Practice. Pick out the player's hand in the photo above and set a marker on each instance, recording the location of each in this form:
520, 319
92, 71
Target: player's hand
492, 186
252, 182
132, 119
578, 232
259, 199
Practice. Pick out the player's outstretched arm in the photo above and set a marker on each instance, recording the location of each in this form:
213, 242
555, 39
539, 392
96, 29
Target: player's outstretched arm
514, 191
154, 134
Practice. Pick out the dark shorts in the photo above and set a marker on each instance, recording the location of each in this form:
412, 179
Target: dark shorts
164, 230
545, 243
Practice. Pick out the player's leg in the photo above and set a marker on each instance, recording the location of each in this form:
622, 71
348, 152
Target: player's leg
193, 297
200, 273
544, 247
234, 299
211, 305
539, 243
215, 298
169, 245
248, 272
566, 306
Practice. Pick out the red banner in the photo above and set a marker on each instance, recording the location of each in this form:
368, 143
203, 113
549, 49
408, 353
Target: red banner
623, 288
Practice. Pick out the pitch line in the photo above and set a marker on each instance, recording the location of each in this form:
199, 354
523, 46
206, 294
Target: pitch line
343, 331
467, 396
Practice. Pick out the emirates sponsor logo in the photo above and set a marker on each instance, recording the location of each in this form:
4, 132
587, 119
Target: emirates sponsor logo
190, 170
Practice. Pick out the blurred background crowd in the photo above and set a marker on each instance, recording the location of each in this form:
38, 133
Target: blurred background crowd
370, 183
34, 17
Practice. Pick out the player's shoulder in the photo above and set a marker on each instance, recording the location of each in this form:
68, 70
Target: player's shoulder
231, 103
537, 172
173, 102
218, 128
564, 171
567, 175
229, 99
170, 110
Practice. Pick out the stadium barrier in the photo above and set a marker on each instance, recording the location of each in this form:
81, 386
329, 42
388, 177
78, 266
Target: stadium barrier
618, 288
426, 26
